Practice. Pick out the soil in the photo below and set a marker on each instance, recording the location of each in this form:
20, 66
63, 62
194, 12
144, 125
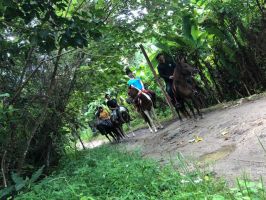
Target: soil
227, 141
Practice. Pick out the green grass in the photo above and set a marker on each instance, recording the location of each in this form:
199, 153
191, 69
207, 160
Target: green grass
108, 173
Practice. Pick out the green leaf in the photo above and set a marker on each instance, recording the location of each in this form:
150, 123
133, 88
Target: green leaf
100, 4
12, 13
16, 178
187, 26
5, 95
6, 191
36, 174
218, 197
195, 32
9, 3
22, 184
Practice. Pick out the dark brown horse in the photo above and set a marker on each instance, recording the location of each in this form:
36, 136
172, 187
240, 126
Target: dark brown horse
185, 90
144, 105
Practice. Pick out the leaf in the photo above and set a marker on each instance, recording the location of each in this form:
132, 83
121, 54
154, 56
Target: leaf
6, 191
215, 31
99, 4
5, 95
218, 197
16, 178
195, 32
22, 184
11, 13
36, 174
187, 26
9, 3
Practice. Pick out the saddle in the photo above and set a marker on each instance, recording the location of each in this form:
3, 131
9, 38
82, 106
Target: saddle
104, 122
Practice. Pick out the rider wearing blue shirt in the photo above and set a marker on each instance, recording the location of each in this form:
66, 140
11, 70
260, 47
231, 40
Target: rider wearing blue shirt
135, 82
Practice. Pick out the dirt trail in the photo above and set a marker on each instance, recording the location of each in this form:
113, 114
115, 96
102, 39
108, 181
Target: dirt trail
229, 145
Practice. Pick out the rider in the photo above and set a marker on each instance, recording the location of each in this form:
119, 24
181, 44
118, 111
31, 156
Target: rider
138, 84
166, 71
103, 116
113, 105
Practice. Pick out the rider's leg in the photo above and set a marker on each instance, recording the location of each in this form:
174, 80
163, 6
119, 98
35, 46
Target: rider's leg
171, 94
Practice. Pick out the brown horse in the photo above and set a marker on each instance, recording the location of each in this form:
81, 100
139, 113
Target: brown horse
185, 90
144, 105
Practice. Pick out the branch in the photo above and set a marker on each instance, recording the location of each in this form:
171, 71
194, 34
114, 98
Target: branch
42, 115
79, 6
26, 65
69, 4
261, 8
18, 91
3, 169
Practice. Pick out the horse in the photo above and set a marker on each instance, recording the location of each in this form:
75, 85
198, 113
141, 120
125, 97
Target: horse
106, 127
185, 90
145, 106
120, 116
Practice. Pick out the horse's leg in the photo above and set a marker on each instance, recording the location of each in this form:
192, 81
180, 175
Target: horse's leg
146, 119
150, 128
121, 131
191, 109
183, 109
196, 105
178, 113
129, 127
156, 118
108, 138
180, 106
151, 121
116, 135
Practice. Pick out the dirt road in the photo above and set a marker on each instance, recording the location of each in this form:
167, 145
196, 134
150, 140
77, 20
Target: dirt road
230, 141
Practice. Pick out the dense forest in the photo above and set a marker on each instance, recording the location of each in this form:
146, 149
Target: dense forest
59, 57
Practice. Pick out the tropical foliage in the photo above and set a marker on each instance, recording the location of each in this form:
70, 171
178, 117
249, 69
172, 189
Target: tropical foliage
59, 56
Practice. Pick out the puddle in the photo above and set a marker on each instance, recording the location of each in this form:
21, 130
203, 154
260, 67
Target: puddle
218, 154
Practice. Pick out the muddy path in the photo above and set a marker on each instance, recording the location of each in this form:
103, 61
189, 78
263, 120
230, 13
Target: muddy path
230, 141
